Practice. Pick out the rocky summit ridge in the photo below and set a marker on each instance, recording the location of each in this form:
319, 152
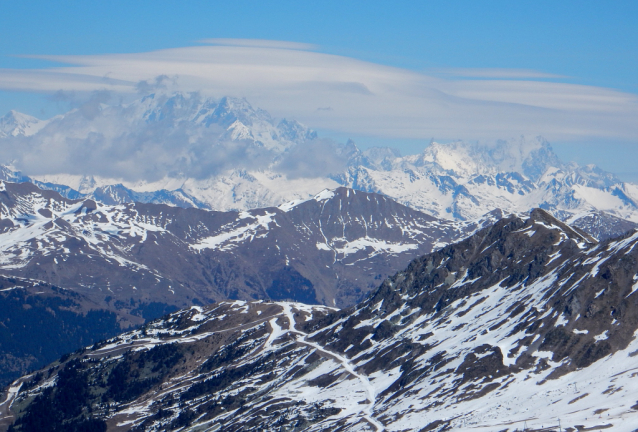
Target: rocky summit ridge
525, 324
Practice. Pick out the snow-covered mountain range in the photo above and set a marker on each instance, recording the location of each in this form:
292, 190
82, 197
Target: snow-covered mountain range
526, 325
190, 151
134, 262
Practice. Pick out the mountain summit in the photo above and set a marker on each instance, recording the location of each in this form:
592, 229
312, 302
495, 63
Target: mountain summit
528, 156
18, 124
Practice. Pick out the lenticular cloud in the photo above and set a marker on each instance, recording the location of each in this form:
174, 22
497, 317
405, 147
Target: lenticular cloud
348, 95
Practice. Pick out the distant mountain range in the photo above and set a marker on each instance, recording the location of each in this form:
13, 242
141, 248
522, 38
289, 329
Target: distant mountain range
526, 325
226, 155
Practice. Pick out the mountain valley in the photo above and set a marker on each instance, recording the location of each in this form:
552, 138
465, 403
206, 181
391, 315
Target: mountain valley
40, 322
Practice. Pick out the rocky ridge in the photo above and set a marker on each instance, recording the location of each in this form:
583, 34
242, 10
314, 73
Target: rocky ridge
524, 324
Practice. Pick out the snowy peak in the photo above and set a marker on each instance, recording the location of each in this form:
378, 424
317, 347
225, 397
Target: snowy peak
530, 156
380, 158
235, 116
18, 124
541, 217
224, 154
601, 225
239, 131
192, 107
229, 110
463, 180
292, 130
511, 252
160, 107
183, 113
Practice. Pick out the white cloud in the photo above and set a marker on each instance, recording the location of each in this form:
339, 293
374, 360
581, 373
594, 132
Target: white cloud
493, 73
365, 98
260, 43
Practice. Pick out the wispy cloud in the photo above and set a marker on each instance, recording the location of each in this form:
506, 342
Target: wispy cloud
260, 43
499, 73
288, 79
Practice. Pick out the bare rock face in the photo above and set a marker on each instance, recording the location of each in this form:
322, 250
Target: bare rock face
524, 324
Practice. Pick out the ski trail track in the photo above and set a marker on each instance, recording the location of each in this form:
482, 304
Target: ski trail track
345, 363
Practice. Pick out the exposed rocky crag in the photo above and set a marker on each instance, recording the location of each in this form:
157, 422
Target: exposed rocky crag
524, 324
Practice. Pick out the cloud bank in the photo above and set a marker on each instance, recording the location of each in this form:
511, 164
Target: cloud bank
167, 135
351, 96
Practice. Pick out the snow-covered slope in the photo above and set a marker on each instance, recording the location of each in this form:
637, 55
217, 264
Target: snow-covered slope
190, 151
15, 124
524, 325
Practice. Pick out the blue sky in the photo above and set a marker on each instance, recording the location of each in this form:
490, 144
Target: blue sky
589, 44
